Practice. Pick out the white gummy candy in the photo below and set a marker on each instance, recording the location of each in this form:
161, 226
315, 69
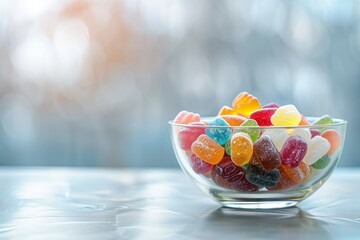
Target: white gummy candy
317, 147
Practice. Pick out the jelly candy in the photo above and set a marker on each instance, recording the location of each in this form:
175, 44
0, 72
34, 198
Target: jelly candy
244, 185
314, 132
322, 162
258, 176
207, 149
189, 134
302, 132
199, 166
220, 135
234, 120
229, 171
185, 117
241, 148
293, 151
262, 116
334, 139
318, 147
225, 110
271, 105
266, 153
326, 119
299, 173
252, 132
245, 104
284, 183
286, 115
227, 147
278, 136
304, 121
254, 161
218, 180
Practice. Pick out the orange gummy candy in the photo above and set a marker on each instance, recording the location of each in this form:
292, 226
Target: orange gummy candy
234, 120
185, 117
299, 173
245, 104
241, 148
207, 149
225, 110
334, 139
304, 121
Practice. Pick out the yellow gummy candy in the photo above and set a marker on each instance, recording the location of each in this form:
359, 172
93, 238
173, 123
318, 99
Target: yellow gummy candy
286, 115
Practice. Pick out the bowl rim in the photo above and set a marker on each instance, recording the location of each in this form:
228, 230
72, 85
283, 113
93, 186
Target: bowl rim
337, 122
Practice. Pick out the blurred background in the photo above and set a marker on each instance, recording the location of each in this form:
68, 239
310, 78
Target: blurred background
93, 83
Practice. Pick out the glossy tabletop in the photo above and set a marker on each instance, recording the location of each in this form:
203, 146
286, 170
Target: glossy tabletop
80, 203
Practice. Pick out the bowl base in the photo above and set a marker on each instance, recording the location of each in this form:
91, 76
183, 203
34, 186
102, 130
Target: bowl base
259, 205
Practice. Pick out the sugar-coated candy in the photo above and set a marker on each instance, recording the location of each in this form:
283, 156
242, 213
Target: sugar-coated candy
302, 132
199, 166
284, 183
318, 147
271, 105
263, 116
304, 121
218, 180
234, 120
225, 110
322, 162
278, 136
227, 148
293, 151
253, 133
326, 119
229, 171
266, 153
207, 149
220, 135
245, 104
314, 132
258, 176
254, 161
299, 173
185, 117
334, 139
286, 115
189, 134
241, 148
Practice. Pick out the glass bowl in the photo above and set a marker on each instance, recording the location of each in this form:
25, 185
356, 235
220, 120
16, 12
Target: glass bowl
249, 185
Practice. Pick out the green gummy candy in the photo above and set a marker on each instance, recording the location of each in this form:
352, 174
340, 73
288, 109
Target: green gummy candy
322, 162
326, 119
254, 133
245, 166
228, 148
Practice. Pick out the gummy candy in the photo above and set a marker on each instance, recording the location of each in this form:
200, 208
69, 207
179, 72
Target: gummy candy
271, 105
302, 132
220, 135
326, 119
322, 162
318, 147
225, 110
334, 139
245, 104
234, 120
241, 148
262, 116
293, 151
304, 121
278, 136
229, 171
284, 183
258, 176
188, 135
199, 166
227, 147
286, 115
314, 132
185, 117
207, 149
299, 173
266, 153
252, 132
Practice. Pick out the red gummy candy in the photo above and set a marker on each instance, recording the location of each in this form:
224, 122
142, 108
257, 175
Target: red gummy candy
271, 105
293, 151
189, 134
199, 166
314, 132
229, 171
263, 116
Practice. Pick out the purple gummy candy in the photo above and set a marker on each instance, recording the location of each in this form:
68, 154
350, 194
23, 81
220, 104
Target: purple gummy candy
229, 171
266, 153
314, 132
200, 166
293, 151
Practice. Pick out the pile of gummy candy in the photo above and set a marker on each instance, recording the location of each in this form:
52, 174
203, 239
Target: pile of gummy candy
249, 158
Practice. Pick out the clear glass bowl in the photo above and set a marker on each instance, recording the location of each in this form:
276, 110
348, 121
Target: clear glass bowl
286, 195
